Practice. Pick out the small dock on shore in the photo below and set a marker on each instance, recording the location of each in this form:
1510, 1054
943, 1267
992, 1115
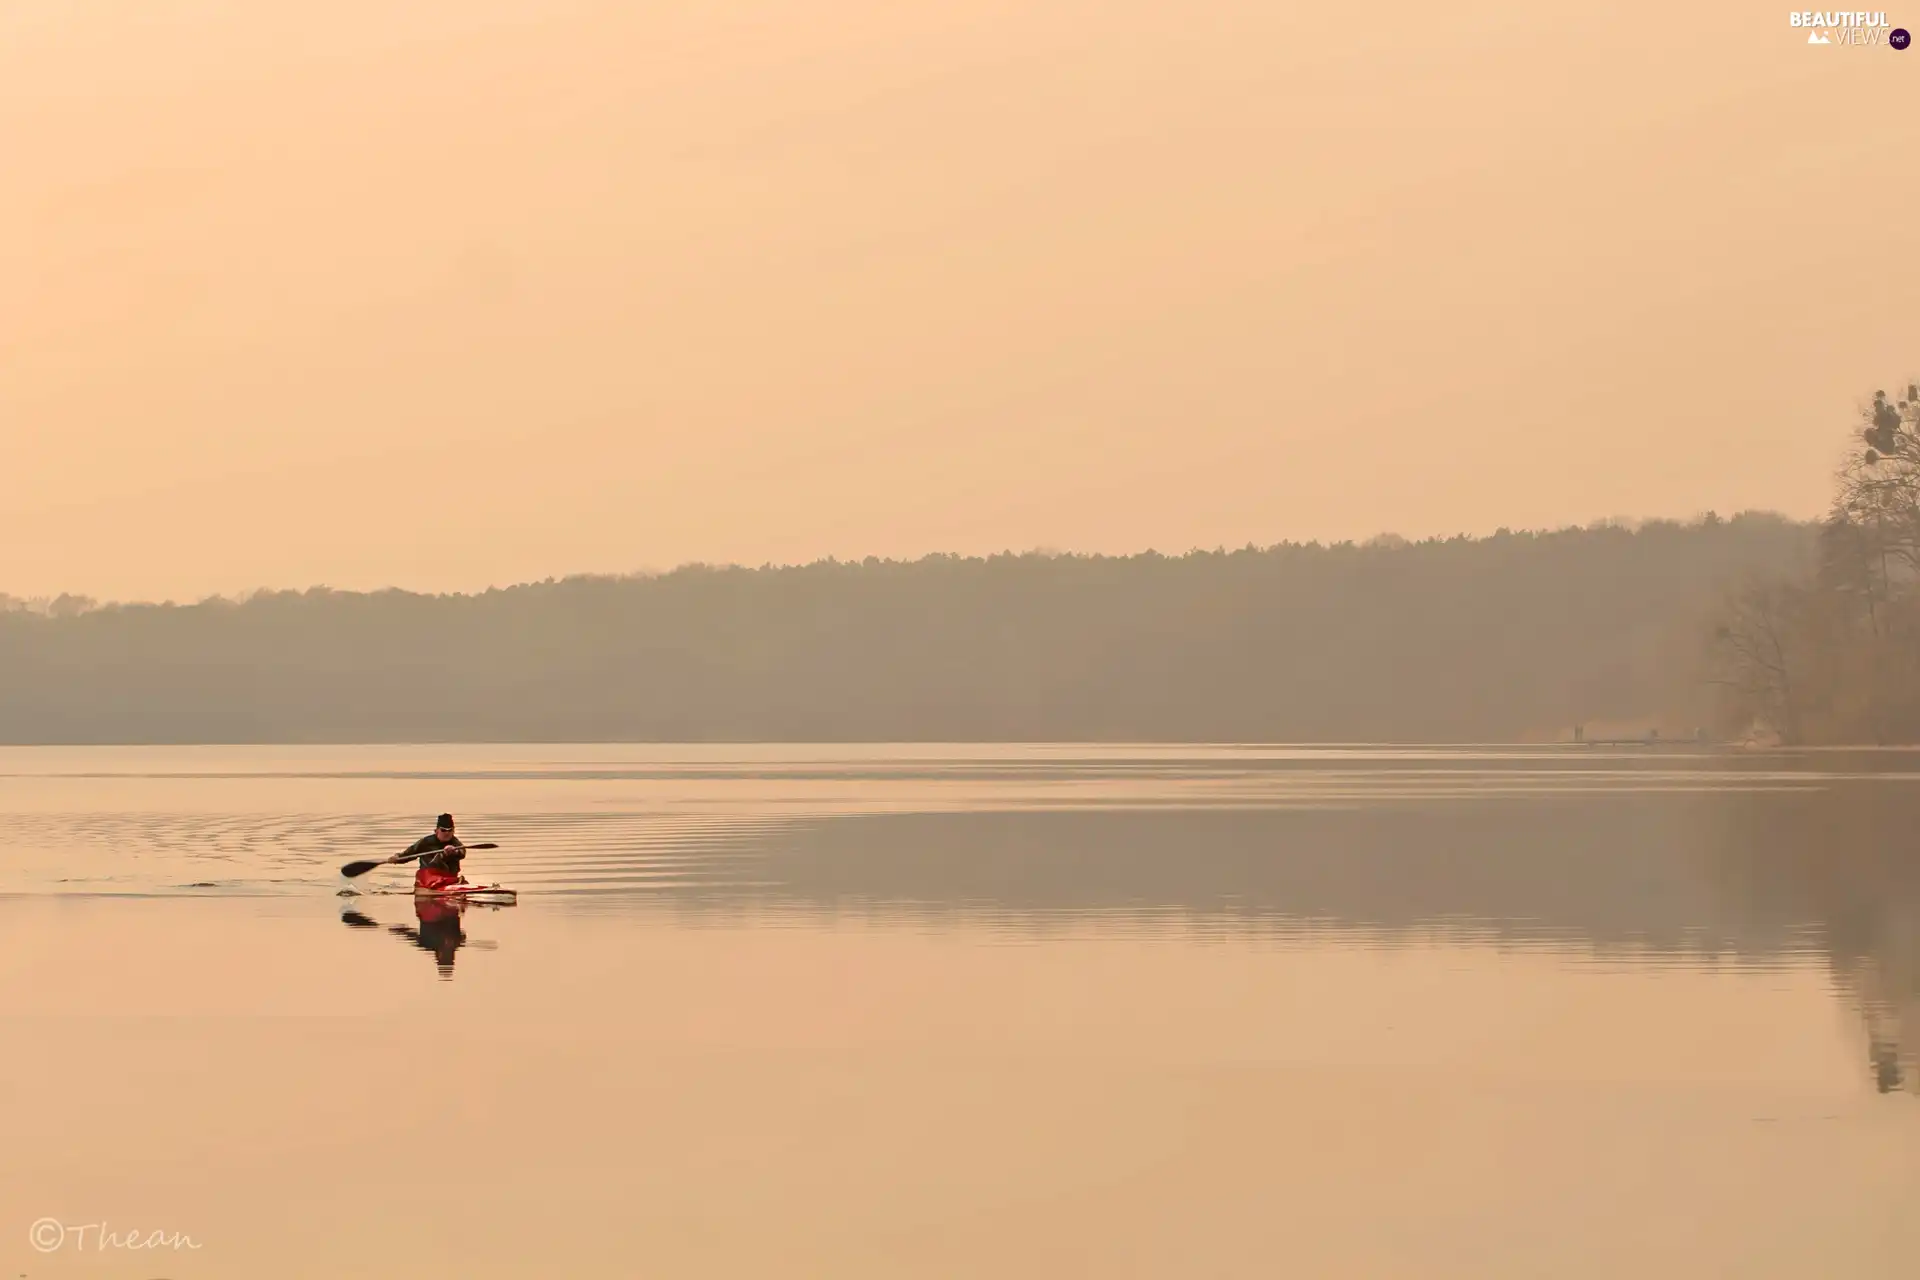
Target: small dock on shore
1651, 738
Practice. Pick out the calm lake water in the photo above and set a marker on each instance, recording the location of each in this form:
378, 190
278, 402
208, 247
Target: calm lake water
963, 1011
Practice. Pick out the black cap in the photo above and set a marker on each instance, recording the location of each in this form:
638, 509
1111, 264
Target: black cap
443, 821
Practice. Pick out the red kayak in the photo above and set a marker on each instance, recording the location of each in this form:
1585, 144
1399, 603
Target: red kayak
497, 894
471, 893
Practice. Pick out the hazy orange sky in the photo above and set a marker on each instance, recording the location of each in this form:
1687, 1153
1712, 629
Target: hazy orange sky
465, 292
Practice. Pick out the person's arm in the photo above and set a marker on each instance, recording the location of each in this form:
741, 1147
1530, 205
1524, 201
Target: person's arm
444, 857
413, 850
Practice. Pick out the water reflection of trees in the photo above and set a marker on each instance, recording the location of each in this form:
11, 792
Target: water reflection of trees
1845, 860
1709, 876
1618, 871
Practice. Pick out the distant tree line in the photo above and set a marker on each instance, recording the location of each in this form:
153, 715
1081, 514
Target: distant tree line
1458, 639
1831, 653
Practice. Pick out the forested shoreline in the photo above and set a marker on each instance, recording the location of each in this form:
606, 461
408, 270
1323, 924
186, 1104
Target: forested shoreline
1510, 637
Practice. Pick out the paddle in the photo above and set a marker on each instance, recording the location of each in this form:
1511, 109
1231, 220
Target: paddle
361, 868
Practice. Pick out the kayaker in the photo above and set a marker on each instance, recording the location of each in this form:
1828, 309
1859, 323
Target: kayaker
439, 853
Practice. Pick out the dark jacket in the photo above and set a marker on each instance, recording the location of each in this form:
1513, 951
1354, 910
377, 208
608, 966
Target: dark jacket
433, 853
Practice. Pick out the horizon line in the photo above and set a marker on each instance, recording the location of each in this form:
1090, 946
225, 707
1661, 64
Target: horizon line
69, 603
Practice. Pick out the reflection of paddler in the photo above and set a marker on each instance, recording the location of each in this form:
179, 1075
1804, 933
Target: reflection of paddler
1888, 1074
439, 930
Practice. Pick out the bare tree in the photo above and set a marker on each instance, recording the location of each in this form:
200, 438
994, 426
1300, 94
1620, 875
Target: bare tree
1759, 655
1836, 657
1878, 491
